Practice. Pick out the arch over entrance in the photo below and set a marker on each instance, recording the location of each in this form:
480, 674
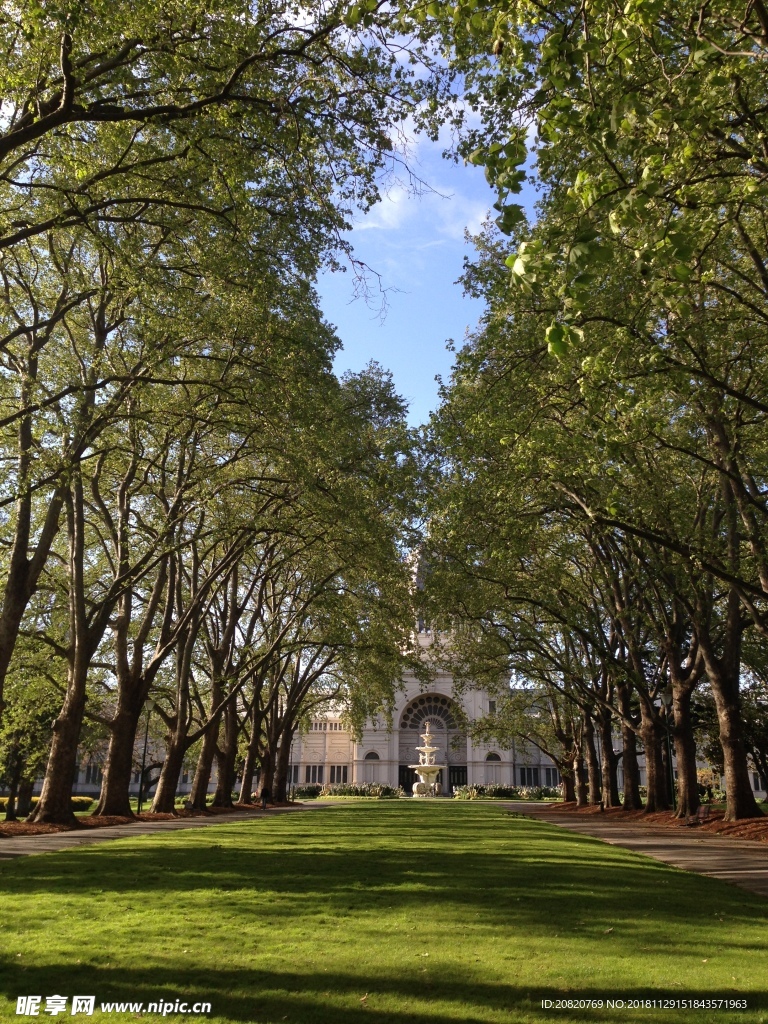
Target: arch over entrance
448, 735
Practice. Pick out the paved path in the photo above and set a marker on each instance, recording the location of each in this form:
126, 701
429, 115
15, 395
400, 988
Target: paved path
24, 846
742, 862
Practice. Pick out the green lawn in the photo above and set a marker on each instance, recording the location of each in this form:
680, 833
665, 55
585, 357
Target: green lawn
393, 912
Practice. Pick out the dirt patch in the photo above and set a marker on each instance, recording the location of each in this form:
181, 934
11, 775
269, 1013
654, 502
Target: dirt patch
747, 828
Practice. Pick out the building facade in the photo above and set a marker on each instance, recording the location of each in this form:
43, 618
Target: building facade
327, 754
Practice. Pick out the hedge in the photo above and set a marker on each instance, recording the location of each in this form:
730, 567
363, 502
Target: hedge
79, 803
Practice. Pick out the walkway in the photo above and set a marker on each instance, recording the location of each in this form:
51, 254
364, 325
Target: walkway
742, 862
24, 846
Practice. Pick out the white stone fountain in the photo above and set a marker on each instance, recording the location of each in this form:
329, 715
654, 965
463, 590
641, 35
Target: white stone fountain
426, 769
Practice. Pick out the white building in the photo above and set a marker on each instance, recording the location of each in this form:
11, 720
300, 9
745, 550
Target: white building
328, 754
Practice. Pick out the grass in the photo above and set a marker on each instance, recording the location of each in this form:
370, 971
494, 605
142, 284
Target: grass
391, 912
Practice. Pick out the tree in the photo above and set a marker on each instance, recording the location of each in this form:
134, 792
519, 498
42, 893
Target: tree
146, 151
581, 482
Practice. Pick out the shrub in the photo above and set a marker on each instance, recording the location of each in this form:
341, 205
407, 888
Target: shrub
82, 803
309, 792
718, 796
494, 791
539, 792
79, 803
376, 790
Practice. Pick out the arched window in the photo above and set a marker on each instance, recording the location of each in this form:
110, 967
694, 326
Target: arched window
371, 770
492, 769
433, 706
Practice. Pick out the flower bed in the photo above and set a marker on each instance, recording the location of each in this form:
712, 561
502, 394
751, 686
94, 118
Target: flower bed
498, 792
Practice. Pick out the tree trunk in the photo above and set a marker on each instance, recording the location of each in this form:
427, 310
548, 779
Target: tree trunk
685, 754
740, 799
249, 771
650, 735
165, 794
569, 787
610, 782
593, 766
632, 798
281, 769
723, 674
226, 757
251, 756
568, 769
266, 771
581, 785
24, 799
199, 794
666, 745
115, 786
24, 566
55, 804
10, 807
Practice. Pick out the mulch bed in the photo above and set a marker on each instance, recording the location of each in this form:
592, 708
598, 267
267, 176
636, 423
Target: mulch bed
23, 828
747, 828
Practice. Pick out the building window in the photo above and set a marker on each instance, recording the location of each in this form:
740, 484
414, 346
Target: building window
529, 776
491, 707
371, 768
338, 774
758, 782
551, 777
492, 769
92, 774
433, 706
313, 774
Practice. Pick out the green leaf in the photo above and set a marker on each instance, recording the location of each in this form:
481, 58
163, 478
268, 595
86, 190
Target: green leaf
509, 218
556, 340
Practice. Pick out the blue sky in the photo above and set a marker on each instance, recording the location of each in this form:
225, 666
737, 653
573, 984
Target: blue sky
416, 244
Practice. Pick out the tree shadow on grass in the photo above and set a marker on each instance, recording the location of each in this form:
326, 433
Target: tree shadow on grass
558, 877
469, 876
334, 997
